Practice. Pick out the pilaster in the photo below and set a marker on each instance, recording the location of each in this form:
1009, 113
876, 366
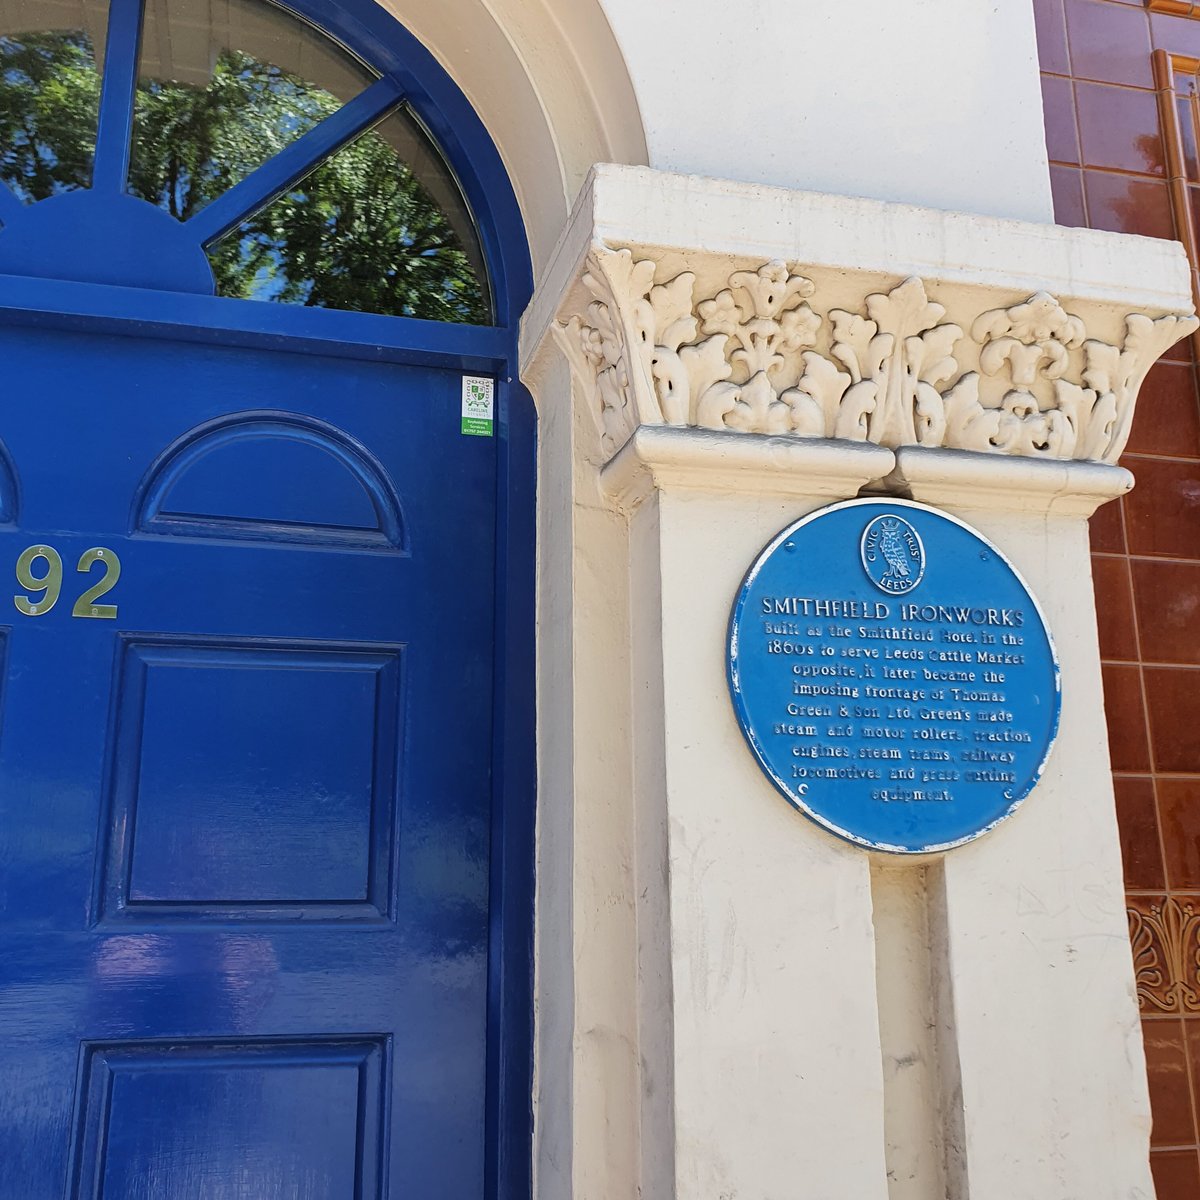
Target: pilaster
731, 1000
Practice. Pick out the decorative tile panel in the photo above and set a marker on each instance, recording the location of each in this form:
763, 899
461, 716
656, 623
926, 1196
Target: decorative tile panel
1165, 933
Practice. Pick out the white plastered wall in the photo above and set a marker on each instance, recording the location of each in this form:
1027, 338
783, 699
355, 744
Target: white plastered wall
932, 102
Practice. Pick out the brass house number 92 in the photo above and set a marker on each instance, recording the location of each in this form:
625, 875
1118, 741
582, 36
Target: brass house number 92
45, 581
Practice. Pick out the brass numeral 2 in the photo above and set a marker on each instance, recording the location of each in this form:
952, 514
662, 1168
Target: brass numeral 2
48, 581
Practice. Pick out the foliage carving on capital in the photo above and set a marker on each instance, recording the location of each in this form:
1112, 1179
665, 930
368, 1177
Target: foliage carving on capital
756, 327
759, 357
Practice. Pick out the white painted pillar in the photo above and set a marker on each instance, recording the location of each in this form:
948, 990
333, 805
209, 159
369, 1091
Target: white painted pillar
768, 1030
731, 1001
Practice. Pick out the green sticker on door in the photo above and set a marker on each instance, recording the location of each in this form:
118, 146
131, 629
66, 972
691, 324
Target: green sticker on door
478, 394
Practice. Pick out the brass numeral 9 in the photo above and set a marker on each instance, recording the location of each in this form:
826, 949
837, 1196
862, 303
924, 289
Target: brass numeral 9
49, 584
46, 583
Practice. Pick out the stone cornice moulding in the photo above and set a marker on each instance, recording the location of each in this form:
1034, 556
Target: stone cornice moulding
842, 338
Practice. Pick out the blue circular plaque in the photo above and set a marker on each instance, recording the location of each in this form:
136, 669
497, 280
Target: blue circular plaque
893, 675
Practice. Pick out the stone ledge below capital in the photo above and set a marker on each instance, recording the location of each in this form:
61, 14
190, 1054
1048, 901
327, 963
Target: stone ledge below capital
964, 479
671, 458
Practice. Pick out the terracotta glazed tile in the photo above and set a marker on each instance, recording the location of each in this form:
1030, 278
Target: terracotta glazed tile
1126, 718
1066, 186
1119, 128
1182, 352
1170, 1091
1186, 124
1179, 813
1051, 36
1193, 194
1109, 43
1058, 106
1191, 1032
1179, 35
1176, 1174
1107, 528
1167, 417
1167, 601
1164, 937
1137, 819
1128, 204
1173, 702
1114, 608
1162, 514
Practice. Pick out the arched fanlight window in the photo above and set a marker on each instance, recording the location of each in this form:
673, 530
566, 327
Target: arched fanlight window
290, 171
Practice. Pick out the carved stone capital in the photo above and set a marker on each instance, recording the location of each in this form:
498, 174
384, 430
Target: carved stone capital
850, 342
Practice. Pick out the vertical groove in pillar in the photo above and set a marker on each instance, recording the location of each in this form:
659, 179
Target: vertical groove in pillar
655, 997
945, 1034
909, 1007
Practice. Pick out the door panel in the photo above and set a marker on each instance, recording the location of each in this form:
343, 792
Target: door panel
147, 1109
244, 825
298, 751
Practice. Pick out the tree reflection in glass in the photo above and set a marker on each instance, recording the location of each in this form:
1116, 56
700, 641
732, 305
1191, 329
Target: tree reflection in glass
381, 226
361, 232
49, 103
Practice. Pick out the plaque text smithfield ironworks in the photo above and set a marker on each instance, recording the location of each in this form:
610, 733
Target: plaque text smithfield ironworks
893, 675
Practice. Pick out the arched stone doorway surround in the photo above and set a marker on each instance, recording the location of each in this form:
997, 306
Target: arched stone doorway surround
549, 82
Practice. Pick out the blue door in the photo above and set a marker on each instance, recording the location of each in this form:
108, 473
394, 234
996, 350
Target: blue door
250, 830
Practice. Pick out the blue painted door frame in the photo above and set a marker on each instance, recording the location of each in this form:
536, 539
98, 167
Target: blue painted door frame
52, 296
